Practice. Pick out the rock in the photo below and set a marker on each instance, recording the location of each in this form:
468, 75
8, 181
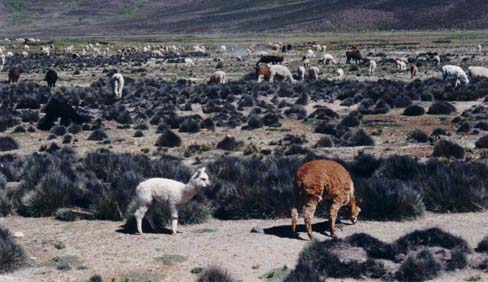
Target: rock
257, 229
19, 234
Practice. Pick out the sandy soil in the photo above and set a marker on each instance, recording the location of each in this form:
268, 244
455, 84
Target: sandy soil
104, 249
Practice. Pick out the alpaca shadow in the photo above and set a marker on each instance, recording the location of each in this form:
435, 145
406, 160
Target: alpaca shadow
130, 227
284, 231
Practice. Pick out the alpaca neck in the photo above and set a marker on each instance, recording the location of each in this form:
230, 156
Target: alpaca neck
189, 192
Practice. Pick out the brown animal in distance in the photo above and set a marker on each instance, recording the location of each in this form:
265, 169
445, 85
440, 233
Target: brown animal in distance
413, 71
323, 179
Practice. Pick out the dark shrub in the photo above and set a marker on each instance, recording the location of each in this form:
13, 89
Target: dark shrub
363, 165
350, 121
325, 128
19, 129
215, 274
481, 125
8, 143
138, 134
361, 138
413, 110
74, 128
447, 149
418, 136
168, 139
419, 268
374, 247
482, 245
464, 128
482, 142
96, 278
254, 122
55, 190
229, 143
296, 112
324, 142
385, 199
12, 256
405, 168
441, 108
190, 125
439, 132
303, 272
456, 187
58, 130
458, 260
97, 135
432, 237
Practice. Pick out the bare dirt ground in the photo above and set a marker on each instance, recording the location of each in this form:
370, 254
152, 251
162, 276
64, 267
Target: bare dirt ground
103, 249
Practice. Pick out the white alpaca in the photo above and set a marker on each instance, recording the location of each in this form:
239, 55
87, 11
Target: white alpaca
281, 71
25, 54
401, 65
478, 72
2, 61
170, 191
218, 77
310, 53
437, 59
313, 73
456, 72
327, 59
301, 73
118, 85
189, 62
372, 66
479, 48
340, 74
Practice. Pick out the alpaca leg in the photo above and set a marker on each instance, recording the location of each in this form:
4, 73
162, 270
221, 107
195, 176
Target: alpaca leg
333, 210
295, 213
174, 218
140, 213
309, 212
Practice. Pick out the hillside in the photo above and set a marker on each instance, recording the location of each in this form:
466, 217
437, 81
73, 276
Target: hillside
149, 17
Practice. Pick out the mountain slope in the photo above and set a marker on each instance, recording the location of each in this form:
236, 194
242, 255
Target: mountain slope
145, 17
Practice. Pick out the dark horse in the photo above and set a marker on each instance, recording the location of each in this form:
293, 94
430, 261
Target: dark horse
270, 59
354, 55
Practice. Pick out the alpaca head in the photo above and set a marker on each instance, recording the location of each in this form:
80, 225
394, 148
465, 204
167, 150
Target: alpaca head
200, 178
355, 210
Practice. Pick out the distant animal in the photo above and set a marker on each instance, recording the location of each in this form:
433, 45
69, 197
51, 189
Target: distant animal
51, 78
413, 71
310, 53
478, 71
401, 65
437, 60
57, 107
25, 54
323, 180
327, 59
189, 62
354, 55
270, 59
14, 74
281, 71
218, 77
313, 73
456, 72
301, 73
372, 67
479, 48
340, 74
262, 73
168, 191
2, 61
118, 85
306, 62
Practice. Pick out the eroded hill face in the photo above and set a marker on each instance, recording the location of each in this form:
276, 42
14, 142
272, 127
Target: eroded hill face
144, 17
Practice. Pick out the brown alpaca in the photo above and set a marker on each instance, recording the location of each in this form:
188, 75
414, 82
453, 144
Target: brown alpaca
323, 179
413, 71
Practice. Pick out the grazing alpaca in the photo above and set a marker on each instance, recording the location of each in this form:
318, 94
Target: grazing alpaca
218, 77
372, 67
327, 59
413, 71
167, 190
51, 78
478, 72
340, 74
280, 71
456, 72
323, 179
313, 73
118, 85
401, 65
13, 75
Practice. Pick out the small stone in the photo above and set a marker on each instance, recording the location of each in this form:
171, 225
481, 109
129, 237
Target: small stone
257, 229
19, 234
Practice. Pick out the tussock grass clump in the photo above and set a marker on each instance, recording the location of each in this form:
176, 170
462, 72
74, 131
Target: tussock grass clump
12, 256
8, 143
432, 237
448, 149
419, 268
482, 246
385, 199
304, 272
215, 274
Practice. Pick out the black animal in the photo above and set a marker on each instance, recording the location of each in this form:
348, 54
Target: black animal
57, 107
270, 59
354, 55
14, 74
51, 78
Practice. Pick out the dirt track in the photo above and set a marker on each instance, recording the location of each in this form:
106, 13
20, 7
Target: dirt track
103, 249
